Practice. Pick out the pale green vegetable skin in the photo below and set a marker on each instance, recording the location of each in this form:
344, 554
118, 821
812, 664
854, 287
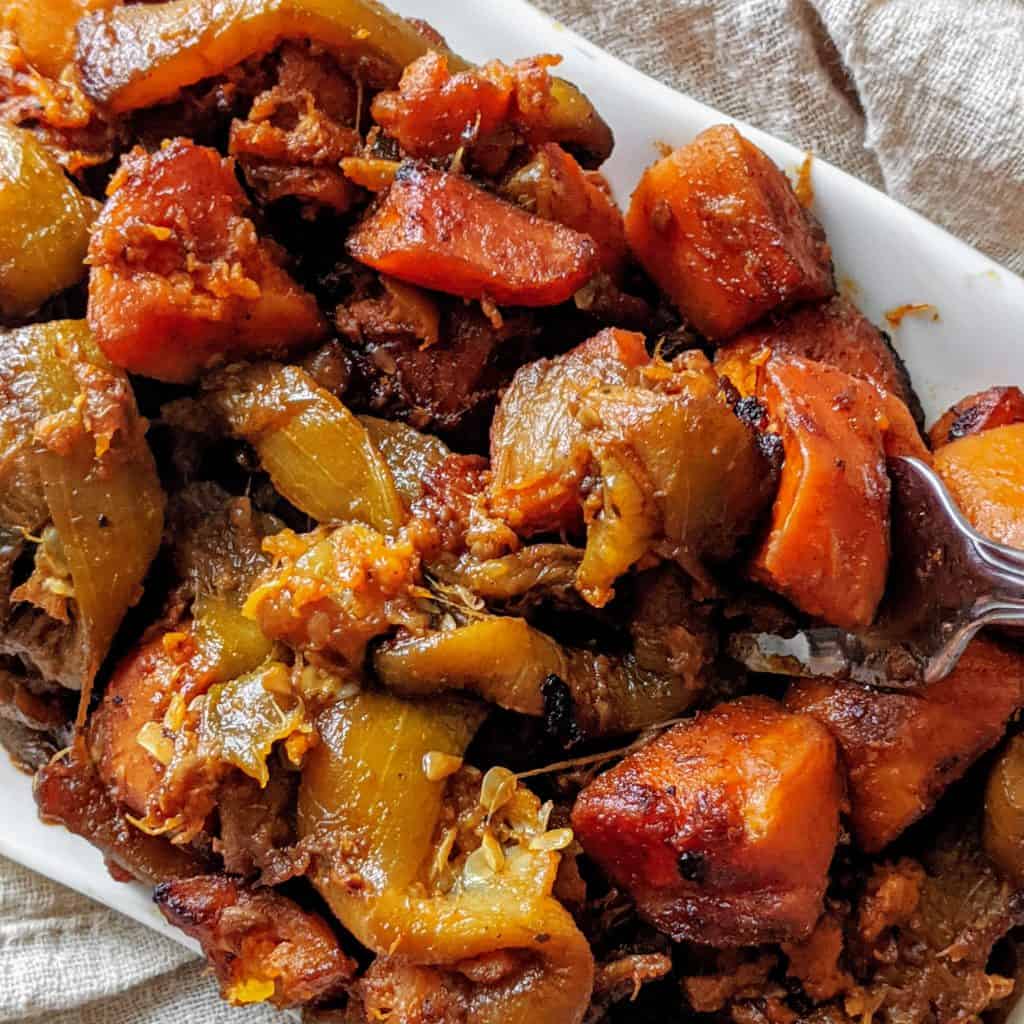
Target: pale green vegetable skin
108, 513
44, 225
318, 455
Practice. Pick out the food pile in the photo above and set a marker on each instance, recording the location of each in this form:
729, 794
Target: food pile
377, 501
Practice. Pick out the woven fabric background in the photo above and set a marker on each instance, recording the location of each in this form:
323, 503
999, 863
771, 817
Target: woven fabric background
922, 98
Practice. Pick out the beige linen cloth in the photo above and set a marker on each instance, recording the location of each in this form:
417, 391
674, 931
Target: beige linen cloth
922, 98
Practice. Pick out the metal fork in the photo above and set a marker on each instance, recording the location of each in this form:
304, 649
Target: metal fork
946, 582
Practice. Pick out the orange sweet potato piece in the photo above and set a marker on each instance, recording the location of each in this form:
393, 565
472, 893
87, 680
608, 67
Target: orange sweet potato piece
995, 407
180, 278
985, 474
491, 109
440, 231
434, 112
723, 828
827, 549
716, 224
901, 750
138, 693
554, 186
835, 333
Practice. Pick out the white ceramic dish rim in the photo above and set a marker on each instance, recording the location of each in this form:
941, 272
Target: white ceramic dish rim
886, 255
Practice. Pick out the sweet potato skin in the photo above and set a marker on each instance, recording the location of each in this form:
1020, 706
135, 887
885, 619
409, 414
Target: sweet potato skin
179, 277
901, 750
835, 333
257, 936
716, 224
723, 828
985, 474
994, 407
827, 548
440, 231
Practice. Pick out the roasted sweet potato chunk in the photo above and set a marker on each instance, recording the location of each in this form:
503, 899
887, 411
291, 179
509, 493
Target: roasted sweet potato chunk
835, 333
180, 278
716, 224
985, 474
723, 828
440, 231
996, 407
262, 945
901, 750
827, 549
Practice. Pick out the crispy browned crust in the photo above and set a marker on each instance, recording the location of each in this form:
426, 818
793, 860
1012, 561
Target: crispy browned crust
257, 936
723, 828
901, 750
180, 278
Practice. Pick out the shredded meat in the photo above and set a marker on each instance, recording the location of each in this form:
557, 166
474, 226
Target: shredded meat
180, 278
450, 386
257, 832
298, 131
261, 945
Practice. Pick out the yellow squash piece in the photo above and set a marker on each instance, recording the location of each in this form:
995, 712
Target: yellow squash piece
73, 449
365, 781
319, 456
44, 225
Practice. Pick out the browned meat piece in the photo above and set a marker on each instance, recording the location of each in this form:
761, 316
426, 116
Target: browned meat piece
439, 230
901, 750
298, 131
216, 541
723, 828
837, 334
391, 989
261, 945
716, 224
180, 278
69, 792
931, 960
449, 386
257, 834
995, 407
36, 716
539, 457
